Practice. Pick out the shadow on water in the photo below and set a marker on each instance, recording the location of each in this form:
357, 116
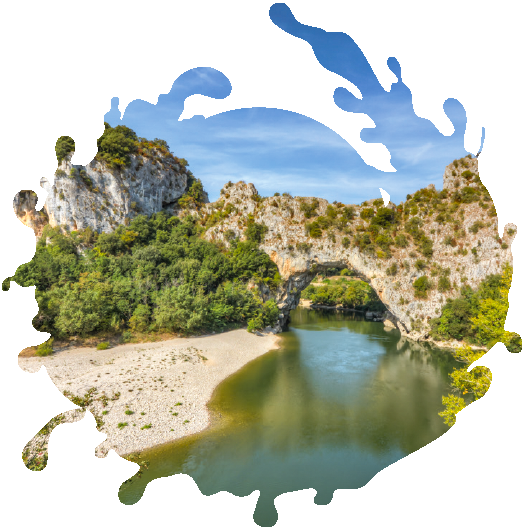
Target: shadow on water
339, 401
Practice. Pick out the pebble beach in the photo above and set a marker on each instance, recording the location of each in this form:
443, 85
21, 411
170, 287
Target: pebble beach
148, 394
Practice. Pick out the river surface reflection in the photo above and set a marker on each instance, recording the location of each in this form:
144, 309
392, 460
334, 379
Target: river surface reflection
339, 401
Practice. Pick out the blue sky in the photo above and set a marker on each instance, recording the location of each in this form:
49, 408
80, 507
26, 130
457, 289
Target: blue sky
281, 151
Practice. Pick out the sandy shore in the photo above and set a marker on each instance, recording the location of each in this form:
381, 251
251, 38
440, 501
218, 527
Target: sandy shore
166, 385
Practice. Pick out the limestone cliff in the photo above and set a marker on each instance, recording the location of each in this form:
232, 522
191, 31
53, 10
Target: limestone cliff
101, 198
465, 244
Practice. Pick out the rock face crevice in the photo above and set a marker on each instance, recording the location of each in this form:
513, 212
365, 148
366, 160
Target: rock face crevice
465, 240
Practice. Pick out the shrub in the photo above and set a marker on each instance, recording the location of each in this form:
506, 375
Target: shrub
229, 235
441, 218
255, 324
46, 348
511, 231
102, 345
421, 287
304, 247
64, 145
420, 265
331, 212
401, 241
345, 242
384, 241
314, 229
426, 247
392, 270
469, 195
127, 336
324, 222
474, 228
309, 209
255, 232
367, 213
345, 272
444, 284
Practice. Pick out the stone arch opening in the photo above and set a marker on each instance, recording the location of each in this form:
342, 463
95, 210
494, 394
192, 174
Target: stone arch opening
296, 281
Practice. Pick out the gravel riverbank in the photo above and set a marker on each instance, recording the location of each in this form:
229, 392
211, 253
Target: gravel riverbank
147, 394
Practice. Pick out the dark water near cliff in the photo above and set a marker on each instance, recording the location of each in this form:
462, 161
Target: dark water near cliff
339, 401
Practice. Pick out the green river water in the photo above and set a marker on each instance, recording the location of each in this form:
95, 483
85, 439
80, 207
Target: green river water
340, 400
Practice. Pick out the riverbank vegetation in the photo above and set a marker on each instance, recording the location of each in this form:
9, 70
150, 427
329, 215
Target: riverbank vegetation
351, 294
156, 274
477, 317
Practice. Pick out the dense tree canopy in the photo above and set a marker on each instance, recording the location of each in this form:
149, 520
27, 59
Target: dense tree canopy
479, 317
156, 274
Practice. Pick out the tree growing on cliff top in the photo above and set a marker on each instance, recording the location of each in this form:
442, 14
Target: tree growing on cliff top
489, 322
64, 146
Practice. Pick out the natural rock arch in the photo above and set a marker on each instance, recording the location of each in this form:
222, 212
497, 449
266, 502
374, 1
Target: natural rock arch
298, 256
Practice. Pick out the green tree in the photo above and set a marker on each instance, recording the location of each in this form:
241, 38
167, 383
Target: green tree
477, 381
384, 217
367, 213
84, 307
140, 319
255, 232
421, 287
116, 145
489, 323
64, 146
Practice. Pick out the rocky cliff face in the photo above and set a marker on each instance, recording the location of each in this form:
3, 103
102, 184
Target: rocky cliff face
460, 222
465, 242
101, 198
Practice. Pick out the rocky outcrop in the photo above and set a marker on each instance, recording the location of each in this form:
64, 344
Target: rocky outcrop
101, 198
25, 209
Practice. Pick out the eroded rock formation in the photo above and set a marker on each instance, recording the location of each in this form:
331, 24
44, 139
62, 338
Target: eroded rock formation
101, 198
460, 223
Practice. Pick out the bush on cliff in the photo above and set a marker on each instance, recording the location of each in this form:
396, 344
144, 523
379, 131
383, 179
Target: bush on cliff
64, 146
